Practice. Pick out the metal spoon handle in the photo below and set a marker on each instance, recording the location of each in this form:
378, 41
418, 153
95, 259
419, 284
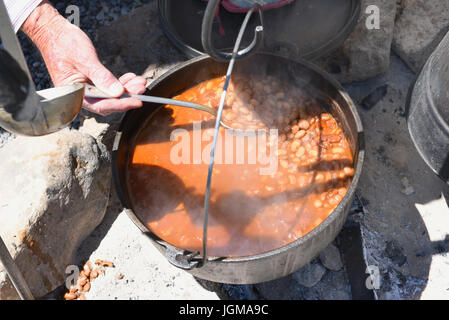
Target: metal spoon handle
93, 92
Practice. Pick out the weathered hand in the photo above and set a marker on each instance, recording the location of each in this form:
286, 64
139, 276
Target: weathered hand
71, 57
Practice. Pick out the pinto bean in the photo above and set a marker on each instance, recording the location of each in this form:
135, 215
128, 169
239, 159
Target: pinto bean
284, 164
332, 138
318, 203
338, 150
300, 134
87, 268
93, 274
313, 153
82, 281
301, 151
292, 179
70, 296
86, 287
280, 95
295, 129
294, 146
303, 124
349, 171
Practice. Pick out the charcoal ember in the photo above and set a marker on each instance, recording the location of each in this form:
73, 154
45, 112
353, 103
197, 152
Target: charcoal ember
374, 97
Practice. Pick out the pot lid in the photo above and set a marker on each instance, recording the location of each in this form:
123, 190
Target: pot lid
305, 29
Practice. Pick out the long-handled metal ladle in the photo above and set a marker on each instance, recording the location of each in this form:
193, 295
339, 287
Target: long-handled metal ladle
95, 93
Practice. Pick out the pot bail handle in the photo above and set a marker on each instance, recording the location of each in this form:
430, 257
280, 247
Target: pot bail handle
206, 33
182, 259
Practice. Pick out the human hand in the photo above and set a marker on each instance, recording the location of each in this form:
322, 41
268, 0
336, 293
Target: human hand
71, 57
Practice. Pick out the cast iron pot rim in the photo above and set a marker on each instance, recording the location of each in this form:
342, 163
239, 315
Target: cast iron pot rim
298, 242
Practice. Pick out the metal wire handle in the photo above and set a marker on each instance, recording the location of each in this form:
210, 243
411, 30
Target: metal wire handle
217, 126
206, 34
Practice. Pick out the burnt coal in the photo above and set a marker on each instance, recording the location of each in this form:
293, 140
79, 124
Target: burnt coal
374, 97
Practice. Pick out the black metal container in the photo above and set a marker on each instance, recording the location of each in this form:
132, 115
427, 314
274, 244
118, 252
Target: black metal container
306, 29
428, 114
276, 263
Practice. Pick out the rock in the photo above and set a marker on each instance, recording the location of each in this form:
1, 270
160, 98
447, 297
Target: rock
331, 259
309, 275
408, 188
139, 40
335, 286
420, 26
54, 193
97, 127
366, 52
94, 128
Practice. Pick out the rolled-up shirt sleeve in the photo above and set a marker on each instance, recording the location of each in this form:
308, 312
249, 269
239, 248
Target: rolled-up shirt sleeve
19, 10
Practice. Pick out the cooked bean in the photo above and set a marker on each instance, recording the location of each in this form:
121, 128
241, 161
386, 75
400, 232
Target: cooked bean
280, 95
349, 171
284, 164
318, 203
294, 146
93, 274
313, 153
332, 138
303, 124
292, 179
267, 88
338, 150
300, 134
70, 296
87, 268
86, 287
82, 281
301, 151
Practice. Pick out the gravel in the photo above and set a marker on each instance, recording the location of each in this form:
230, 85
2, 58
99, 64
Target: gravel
5, 137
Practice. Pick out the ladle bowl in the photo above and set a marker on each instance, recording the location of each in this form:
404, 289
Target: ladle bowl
58, 107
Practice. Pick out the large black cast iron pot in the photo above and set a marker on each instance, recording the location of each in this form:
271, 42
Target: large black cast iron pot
276, 263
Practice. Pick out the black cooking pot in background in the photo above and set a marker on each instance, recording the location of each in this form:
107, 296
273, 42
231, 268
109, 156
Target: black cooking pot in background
276, 263
428, 114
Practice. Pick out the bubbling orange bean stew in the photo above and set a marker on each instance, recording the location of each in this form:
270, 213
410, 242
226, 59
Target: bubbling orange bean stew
250, 213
